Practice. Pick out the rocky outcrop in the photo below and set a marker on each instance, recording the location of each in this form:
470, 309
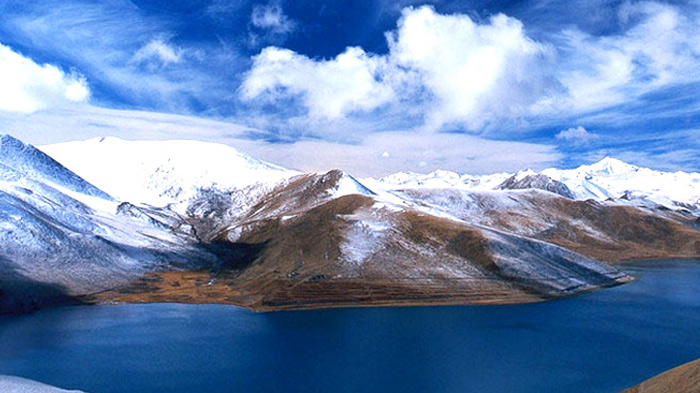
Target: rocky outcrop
538, 182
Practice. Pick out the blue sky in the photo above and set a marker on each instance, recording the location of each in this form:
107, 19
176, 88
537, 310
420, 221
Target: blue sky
369, 86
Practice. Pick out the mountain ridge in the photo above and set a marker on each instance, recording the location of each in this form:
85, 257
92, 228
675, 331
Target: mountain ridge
608, 178
164, 172
260, 236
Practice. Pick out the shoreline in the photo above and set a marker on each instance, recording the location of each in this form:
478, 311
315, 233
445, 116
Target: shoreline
114, 297
455, 298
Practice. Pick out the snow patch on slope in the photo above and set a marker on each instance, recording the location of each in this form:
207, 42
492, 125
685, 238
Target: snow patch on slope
347, 185
22, 161
58, 229
365, 236
527, 259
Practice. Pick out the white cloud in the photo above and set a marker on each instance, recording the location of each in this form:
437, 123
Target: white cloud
82, 122
159, 50
28, 87
451, 72
660, 50
576, 135
330, 89
105, 40
271, 17
457, 71
477, 73
223, 9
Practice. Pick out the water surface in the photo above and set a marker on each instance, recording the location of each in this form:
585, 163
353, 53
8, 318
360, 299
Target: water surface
598, 342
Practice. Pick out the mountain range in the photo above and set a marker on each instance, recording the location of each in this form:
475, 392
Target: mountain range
107, 220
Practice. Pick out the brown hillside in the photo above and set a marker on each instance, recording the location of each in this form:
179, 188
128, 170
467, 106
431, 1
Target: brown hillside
682, 379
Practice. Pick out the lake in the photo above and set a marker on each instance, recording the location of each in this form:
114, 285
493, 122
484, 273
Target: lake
597, 342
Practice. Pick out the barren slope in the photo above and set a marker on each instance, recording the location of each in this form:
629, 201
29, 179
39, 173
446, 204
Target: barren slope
604, 231
682, 379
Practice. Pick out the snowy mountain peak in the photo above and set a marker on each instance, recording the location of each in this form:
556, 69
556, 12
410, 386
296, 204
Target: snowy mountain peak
159, 173
438, 179
522, 174
610, 166
345, 184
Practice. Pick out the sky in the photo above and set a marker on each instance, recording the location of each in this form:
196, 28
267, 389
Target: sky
371, 87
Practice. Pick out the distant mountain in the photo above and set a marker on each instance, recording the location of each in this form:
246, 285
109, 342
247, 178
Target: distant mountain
608, 179
194, 222
619, 181
536, 181
439, 179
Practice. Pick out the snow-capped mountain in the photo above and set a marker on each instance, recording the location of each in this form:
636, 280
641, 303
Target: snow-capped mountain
159, 173
61, 235
22, 161
613, 179
199, 222
608, 179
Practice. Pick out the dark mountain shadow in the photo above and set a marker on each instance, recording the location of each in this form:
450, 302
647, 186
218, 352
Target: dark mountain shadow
20, 294
233, 257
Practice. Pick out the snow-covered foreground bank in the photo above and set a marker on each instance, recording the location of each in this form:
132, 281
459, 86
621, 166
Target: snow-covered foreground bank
9, 384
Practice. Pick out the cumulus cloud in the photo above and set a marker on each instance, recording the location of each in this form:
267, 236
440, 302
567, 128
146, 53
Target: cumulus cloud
29, 87
330, 89
457, 71
452, 72
576, 135
159, 50
476, 73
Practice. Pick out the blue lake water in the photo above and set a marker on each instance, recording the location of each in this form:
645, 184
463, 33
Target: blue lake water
598, 342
